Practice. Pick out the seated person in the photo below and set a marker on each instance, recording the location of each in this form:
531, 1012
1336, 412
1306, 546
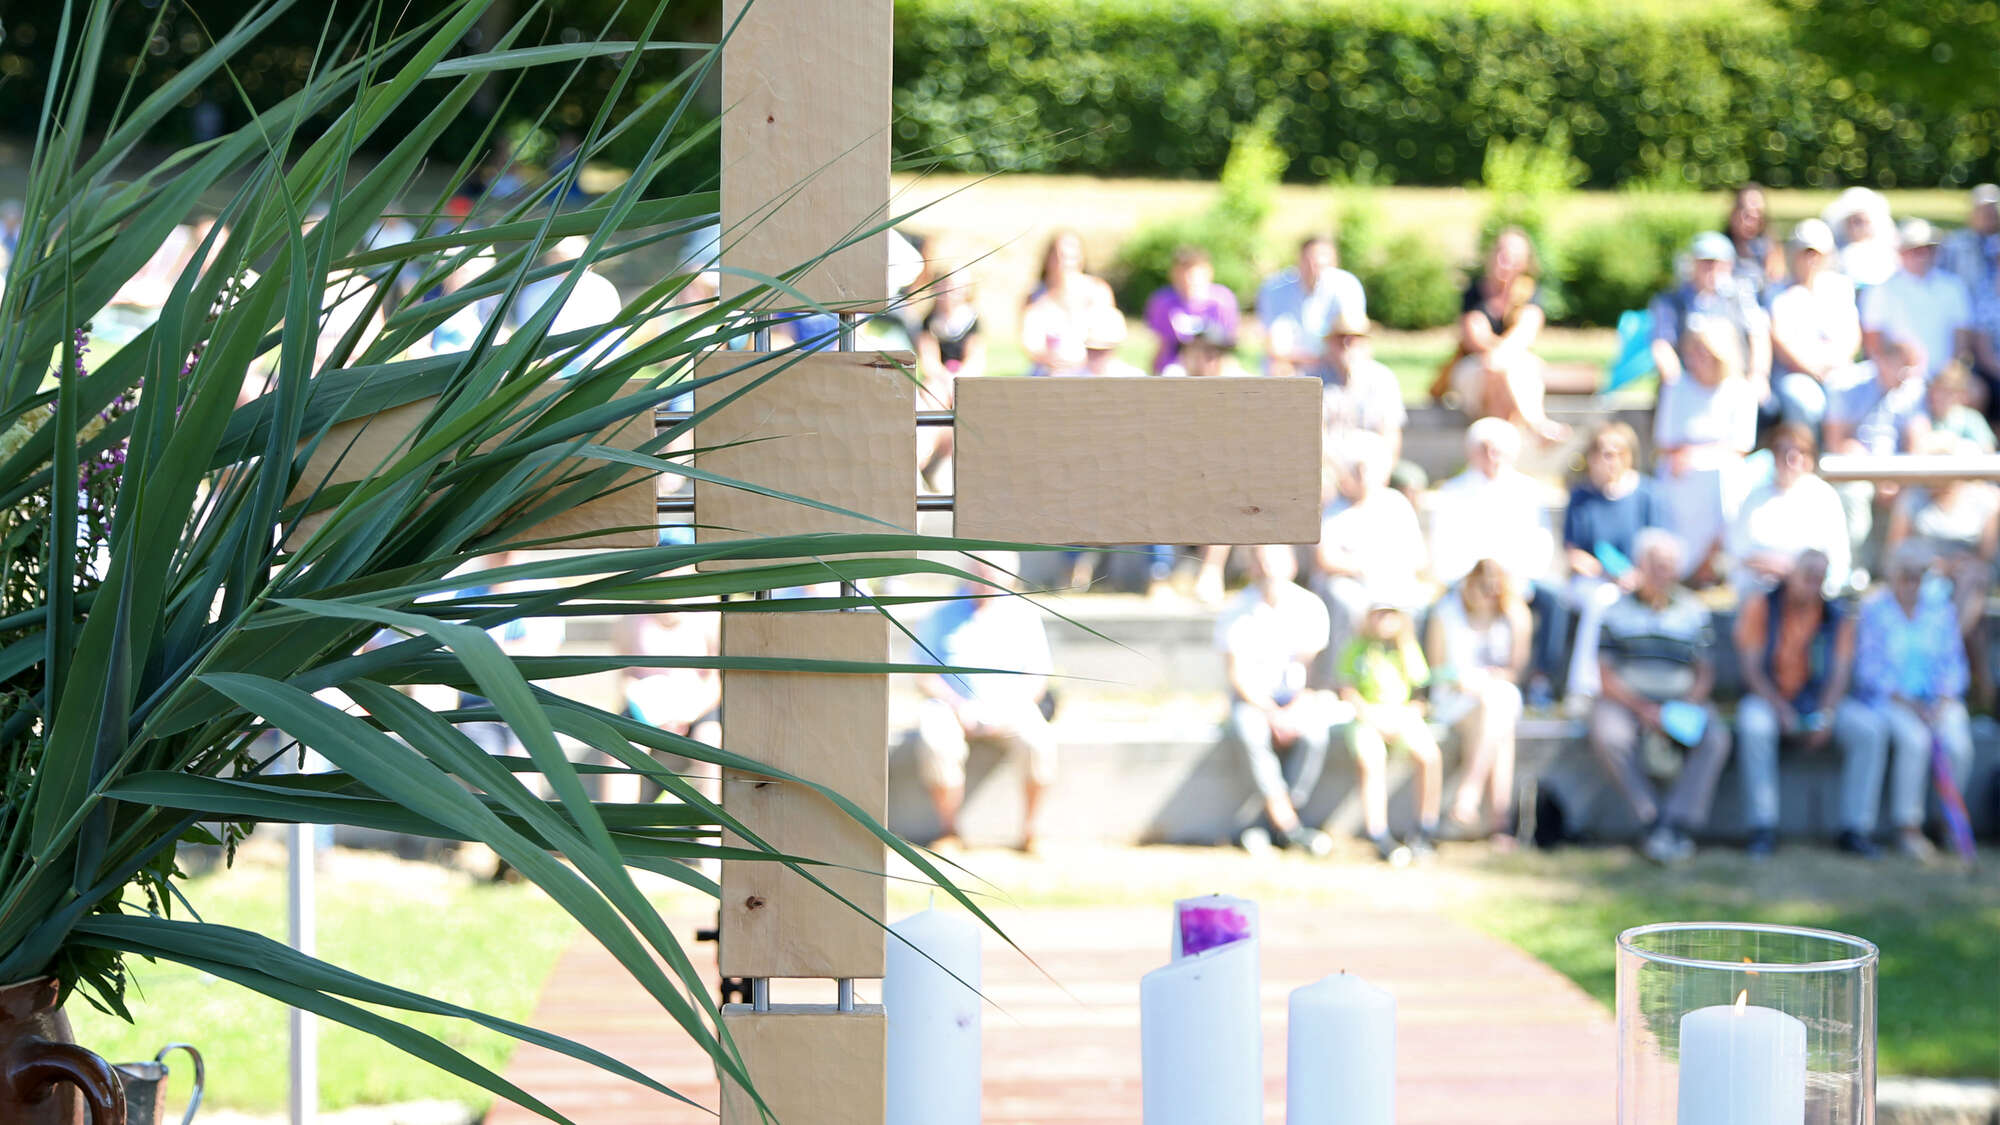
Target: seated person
1880, 410
1380, 673
1921, 301
1605, 515
1815, 327
1948, 401
1496, 373
1059, 311
1269, 637
1493, 510
1656, 675
1371, 545
1002, 708
1795, 646
1794, 511
1296, 306
1101, 344
1213, 352
1705, 422
1478, 648
1910, 670
1713, 293
1958, 521
1360, 393
683, 701
949, 347
1191, 306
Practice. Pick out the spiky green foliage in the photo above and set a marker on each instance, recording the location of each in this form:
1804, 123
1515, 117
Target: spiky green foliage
195, 616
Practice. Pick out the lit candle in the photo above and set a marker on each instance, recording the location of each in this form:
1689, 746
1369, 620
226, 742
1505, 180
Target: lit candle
1200, 1036
1340, 1063
934, 1032
1742, 1065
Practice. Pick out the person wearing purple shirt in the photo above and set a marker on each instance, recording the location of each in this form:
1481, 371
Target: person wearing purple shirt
1910, 669
1193, 304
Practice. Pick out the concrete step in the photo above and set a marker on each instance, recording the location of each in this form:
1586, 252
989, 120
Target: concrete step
1182, 782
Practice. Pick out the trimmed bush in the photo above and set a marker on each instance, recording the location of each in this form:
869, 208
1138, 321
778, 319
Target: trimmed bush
1408, 89
1619, 264
1408, 281
1231, 230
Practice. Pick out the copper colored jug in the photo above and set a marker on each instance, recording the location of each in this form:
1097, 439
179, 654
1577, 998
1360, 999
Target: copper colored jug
45, 1078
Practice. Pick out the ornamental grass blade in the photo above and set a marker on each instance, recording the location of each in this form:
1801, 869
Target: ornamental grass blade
401, 774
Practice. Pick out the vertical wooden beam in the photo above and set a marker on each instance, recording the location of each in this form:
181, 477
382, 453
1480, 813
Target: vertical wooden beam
811, 1065
805, 144
831, 729
833, 427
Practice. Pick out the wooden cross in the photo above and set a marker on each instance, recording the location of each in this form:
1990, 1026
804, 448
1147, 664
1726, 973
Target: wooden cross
805, 166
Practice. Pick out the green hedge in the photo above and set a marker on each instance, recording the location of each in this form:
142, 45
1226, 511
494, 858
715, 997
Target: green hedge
1407, 90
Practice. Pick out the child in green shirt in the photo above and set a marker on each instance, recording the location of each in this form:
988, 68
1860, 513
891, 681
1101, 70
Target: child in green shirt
1380, 671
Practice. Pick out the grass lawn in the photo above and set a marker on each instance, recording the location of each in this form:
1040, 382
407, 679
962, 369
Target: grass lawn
1939, 932
421, 927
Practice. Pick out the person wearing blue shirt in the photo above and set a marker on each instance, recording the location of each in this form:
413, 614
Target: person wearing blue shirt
1910, 669
1601, 527
1298, 306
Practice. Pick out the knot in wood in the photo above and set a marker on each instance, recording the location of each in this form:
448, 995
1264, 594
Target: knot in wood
754, 902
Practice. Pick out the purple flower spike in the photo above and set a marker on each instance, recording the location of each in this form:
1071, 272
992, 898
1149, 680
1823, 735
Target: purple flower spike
1209, 927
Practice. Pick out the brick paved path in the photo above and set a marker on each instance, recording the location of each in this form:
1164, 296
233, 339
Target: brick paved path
1487, 1034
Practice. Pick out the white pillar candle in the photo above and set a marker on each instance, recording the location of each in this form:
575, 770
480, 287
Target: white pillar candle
934, 1020
1742, 1065
1200, 1032
1340, 1060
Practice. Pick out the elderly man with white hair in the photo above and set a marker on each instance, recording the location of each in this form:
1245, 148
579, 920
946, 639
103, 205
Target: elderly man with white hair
1656, 674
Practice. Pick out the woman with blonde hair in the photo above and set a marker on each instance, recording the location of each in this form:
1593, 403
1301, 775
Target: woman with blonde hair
1056, 323
1478, 650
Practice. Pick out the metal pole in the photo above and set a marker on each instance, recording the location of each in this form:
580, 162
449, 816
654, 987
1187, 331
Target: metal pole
845, 1000
303, 849
760, 994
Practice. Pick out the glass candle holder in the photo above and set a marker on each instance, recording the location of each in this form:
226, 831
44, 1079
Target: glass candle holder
1740, 1024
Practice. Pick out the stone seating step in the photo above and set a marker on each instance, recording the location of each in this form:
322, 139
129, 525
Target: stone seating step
1184, 783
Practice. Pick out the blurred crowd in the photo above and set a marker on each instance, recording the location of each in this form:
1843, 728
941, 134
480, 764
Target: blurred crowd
1855, 610
1448, 611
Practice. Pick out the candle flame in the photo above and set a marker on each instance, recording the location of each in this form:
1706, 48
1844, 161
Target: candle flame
1743, 1000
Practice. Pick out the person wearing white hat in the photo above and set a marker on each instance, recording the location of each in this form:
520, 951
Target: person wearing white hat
1712, 293
1974, 253
1920, 301
1815, 327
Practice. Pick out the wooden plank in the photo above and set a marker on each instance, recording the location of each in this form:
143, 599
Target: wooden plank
832, 730
357, 449
805, 145
1102, 462
834, 427
1910, 468
812, 1065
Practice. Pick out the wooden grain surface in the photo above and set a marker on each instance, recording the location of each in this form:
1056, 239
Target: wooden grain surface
1486, 1034
829, 729
811, 1065
836, 427
1103, 462
805, 145
357, 449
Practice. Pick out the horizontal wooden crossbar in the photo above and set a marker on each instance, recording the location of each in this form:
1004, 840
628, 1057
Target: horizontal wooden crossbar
1910, 468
